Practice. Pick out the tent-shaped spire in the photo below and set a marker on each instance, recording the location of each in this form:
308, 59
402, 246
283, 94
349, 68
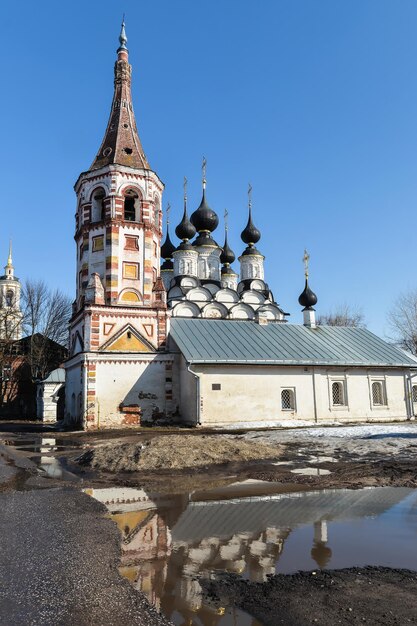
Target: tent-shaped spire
121, 143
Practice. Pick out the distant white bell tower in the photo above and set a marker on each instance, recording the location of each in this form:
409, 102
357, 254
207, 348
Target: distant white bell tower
10, 313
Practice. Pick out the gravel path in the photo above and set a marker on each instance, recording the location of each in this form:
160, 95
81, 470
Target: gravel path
58, 564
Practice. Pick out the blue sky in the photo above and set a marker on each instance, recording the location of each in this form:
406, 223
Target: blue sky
313, 102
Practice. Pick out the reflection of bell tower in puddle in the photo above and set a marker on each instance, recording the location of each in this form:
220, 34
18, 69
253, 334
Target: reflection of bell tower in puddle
320, 552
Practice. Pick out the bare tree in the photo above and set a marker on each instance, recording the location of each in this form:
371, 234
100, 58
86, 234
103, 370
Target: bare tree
9, 358
46, 316
343, 315
402, 320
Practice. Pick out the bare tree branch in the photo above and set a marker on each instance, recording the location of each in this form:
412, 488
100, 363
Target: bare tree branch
343, 315
402, 320
46, 316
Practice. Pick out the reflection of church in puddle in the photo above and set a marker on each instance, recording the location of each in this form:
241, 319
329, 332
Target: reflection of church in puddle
168, 542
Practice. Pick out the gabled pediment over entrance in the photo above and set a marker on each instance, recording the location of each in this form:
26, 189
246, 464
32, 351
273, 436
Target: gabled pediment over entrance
128, 340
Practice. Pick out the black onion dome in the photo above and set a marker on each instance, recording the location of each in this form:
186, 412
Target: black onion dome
308, 298
185, 229
250, 234
167, 248
227, 255
204, 218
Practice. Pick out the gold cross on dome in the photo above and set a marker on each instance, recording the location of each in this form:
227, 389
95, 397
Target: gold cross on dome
167, 211
306, 259
203, 169
250, 196
226, 220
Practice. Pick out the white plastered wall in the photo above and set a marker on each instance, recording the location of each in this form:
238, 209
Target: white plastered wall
252, 394
129, 382
50, 400
74, 384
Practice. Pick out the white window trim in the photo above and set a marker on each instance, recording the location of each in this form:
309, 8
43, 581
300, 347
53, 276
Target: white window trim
338, 379
383, 380
293, 410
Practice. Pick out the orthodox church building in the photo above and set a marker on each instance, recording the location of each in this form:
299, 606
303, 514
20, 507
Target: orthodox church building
173, 330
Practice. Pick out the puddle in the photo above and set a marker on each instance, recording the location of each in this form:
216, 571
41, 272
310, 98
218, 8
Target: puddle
283, 463
311, 471
253, 529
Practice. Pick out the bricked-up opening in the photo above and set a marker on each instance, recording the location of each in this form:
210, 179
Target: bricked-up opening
131, 206
131, 242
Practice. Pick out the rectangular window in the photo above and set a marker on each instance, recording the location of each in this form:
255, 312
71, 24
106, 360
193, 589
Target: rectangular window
131, 242
131, 270
216, 387
155, 248
378, 393
98, 243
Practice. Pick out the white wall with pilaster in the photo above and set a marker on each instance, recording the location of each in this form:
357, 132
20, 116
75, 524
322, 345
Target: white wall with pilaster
252, 394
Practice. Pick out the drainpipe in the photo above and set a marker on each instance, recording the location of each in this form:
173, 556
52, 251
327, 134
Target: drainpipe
313, 375
410, 395
197, 379
85, 396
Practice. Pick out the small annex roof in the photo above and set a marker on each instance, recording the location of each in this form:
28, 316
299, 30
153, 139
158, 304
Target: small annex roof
232, 341
56, 376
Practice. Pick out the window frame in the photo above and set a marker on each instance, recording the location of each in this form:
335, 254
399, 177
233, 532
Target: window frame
382, 381
414, 394
342, 380
293, 400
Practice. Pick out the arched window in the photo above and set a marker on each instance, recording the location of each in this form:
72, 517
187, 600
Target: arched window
131, 211
377, 394
338, 396
287, 400
98, 205
9, 297
414, 393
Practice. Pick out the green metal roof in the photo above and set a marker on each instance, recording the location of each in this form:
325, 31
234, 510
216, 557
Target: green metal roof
231, 341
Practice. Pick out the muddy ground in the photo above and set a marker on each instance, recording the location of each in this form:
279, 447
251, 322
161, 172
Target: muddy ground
184, 461
341, 457
367, 595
